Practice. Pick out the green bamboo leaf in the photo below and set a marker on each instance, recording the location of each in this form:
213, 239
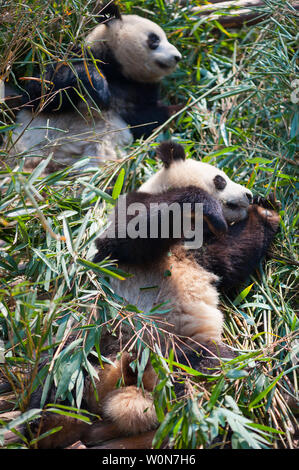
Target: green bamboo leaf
259, 160
82, 230
103, 195
68, 236
39, 169
216, 392
235, 91
44, 259
118, 184
142, 365
265, 392
236, 374
65, 272
242, 295
69, 414
191, 371
79, 388
45, 434
97, 268
223, 151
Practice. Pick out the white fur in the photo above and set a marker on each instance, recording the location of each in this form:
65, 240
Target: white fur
189, 292
193, 173
71, 137
128, 40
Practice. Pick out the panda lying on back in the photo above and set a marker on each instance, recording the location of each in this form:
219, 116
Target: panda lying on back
194, 321
236, 236
126, 57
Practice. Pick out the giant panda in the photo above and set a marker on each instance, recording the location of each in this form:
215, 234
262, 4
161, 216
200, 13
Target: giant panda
238, 231
125, 58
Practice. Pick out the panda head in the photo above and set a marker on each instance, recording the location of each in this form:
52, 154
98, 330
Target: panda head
138, 45
179, 172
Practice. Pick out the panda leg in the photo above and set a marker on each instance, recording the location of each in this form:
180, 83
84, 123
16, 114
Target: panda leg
59, 88
192, 296
71, 430
122, 408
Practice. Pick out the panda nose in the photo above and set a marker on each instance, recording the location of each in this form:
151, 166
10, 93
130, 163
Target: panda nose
177, 58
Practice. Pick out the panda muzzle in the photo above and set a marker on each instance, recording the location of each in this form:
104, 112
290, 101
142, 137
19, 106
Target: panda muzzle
239, 203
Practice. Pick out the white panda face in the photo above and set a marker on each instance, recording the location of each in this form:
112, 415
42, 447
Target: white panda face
181, 173
140, 46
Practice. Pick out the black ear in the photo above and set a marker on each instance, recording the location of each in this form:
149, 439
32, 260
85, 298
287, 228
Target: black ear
169, 151
108, 11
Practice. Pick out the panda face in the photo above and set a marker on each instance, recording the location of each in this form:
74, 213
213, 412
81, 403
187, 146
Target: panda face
181, 173
139, 46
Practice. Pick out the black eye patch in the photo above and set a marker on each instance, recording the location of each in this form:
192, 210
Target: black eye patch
153, 41
219, 182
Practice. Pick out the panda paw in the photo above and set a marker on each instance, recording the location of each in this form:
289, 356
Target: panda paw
267, 208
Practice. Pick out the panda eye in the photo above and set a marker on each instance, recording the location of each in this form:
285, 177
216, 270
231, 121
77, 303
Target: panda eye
153, 41
219, 182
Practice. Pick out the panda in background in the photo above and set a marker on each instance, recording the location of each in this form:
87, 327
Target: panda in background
125, 58
238, 232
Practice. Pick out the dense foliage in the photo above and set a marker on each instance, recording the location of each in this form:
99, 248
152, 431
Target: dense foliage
241, 113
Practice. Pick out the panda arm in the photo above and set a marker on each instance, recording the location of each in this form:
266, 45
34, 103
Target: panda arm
119, 244
61, 86
239, 252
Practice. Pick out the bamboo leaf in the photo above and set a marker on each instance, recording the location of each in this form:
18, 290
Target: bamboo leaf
265, 392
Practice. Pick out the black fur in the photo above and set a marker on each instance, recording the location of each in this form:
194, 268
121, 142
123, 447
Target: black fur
143, 108
146, 250
59, 90
153, 41
61, 85
108, 11
219, 182
238, 253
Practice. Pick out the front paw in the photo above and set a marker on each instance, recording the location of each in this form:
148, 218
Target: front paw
105, 249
